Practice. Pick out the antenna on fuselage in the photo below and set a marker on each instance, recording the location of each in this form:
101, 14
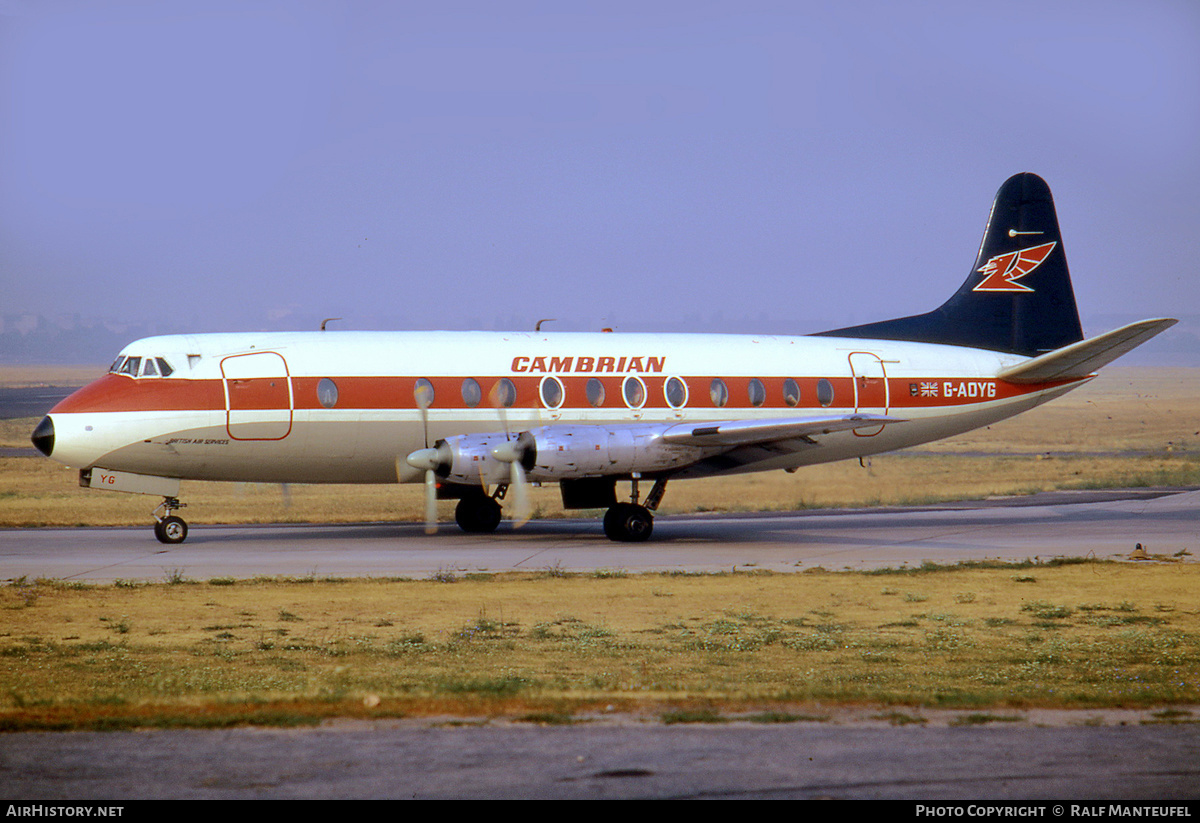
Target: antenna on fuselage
326, 320
538, 327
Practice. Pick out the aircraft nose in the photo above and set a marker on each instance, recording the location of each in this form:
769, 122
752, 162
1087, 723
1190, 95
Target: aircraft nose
43, 436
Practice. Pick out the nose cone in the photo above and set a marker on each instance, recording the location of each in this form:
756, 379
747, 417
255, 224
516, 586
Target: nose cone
43, 436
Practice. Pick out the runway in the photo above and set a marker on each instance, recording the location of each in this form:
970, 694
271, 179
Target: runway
1104, 525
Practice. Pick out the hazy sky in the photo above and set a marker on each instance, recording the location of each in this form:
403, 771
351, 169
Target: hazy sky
716, 166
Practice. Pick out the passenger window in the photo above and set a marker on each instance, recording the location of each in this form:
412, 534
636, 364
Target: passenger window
504, 393
756, 392
423, 393
327, 393
552, 392
595, 392
471, 393
791, 392
635, 392
676, 392
719, 392
824, 392
164, 368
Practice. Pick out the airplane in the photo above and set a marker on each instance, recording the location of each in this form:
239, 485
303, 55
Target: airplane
478, 416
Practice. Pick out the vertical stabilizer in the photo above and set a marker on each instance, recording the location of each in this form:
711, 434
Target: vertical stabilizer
1018, 296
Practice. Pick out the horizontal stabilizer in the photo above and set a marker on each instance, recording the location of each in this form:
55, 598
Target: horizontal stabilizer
748, 432
1085, 357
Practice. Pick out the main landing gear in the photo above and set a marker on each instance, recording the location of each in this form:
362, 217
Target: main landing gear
633, 522
479, 513
169, 528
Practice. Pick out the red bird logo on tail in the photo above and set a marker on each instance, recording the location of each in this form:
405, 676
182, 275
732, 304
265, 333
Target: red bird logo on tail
1002, 272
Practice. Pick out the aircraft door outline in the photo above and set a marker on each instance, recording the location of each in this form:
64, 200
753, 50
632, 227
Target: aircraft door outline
871, 395
259, 399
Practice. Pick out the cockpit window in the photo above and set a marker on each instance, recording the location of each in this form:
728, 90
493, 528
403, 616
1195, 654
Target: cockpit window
133, 366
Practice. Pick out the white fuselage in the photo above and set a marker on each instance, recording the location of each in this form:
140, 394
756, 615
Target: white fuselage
346, 407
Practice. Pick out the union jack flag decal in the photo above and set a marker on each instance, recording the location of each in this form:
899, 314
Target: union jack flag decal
1002, 272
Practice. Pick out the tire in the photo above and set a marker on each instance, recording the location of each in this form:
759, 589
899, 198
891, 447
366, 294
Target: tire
477, 514
171, 530
628, 523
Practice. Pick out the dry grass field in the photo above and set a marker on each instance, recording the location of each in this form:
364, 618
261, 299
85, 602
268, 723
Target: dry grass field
19, 377
550, 647
1129, 427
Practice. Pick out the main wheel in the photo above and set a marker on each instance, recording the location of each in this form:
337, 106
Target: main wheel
628, 523
171, 530
477, 514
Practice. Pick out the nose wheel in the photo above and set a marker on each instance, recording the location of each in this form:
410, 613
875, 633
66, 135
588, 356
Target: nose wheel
169, 528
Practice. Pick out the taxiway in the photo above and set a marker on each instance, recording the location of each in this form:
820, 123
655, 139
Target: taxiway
1104, 525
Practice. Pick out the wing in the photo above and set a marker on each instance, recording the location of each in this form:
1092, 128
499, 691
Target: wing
734, 433
746, 445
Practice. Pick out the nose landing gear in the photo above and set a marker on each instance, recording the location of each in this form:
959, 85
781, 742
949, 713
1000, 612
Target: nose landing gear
169, 528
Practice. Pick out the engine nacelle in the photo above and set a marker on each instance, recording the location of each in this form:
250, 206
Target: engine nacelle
554, 453
468, 459
572, 452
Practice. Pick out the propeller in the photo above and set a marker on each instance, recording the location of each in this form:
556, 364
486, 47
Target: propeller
429, 460
518, 454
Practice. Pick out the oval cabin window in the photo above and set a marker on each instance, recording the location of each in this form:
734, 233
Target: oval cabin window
552, 392
718, 392
791, 392
504, 393
756, 392
327, 393
635, 392
595, 392
423, 393
675, 390
824, 392
471, 393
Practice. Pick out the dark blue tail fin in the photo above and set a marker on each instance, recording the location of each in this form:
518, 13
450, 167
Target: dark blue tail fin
1018, 296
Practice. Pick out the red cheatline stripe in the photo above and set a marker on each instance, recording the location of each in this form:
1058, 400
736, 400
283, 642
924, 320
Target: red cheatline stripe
118, 393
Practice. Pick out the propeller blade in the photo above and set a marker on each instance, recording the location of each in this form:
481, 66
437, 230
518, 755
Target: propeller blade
429, 460
501, 397
513, 452
430, 502
521, 507
423, 395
